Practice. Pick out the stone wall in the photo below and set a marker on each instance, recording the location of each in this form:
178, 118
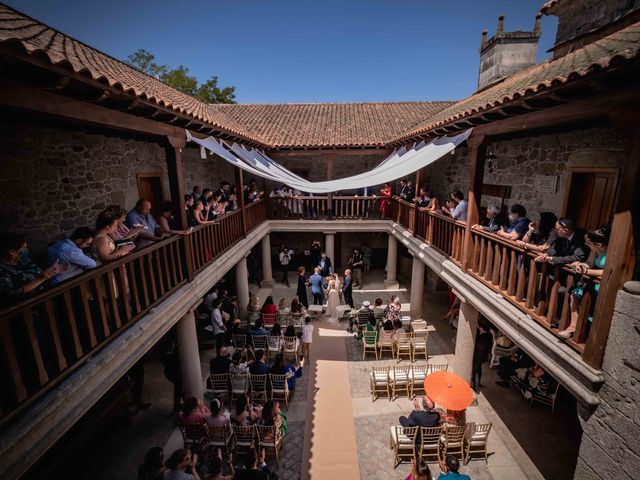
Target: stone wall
205, 173
517, 162
56, 177
610, 447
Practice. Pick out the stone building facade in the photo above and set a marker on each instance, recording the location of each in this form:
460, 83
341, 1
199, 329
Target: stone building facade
56, 177
518, 163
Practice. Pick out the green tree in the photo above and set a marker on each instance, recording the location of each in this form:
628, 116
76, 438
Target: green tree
179, 78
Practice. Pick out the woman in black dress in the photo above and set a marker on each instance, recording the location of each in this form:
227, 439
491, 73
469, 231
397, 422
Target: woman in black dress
302, 288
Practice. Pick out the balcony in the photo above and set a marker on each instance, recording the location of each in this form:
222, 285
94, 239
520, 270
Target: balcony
51, 335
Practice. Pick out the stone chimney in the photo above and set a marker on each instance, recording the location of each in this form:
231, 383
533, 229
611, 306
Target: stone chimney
507, 52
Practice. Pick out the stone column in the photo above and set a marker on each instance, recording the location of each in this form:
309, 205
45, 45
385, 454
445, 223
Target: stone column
417, 288
267, 274
465, 340
189, 356
392, 262
242, 286
330, 249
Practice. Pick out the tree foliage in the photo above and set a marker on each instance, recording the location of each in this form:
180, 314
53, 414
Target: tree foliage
179, 78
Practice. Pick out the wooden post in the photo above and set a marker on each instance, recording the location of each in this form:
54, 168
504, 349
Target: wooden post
240, 197
176, 181
330, 177
415, 205
478, 154
620, 252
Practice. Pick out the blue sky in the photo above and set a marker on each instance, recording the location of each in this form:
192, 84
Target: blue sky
288, 51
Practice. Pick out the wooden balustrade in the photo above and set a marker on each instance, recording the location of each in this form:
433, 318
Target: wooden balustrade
403, 212
256, 213
321, 207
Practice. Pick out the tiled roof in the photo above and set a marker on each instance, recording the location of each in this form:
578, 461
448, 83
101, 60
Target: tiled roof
549, 5
597, 56
330, 124
62, 50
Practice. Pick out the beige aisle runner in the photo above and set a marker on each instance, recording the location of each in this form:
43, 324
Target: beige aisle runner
330, 437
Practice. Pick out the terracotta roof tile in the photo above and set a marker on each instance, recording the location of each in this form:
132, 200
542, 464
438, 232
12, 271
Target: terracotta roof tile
330, 124
38, 39
597, 56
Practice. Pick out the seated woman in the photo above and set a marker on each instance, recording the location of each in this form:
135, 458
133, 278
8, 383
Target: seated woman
193, 412
104, 247
291, 333
280, 367
540, 236
179, 463
217, 417
392, 311
272, 417
19, 276
121, 233
372, 326
200, 213
164, 221
298, 308
239, 365
378, 309
533, 380
282, 306
269, 307
245, 414
593, 268
153, 466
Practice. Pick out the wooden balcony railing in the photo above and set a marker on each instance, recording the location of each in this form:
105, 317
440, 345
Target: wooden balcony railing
49, 335
255, 212
323, 207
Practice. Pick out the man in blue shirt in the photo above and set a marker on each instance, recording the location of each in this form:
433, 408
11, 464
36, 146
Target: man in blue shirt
141, 217
259, 330
317, 287
450, 468
259, 367
519, 223
69, 252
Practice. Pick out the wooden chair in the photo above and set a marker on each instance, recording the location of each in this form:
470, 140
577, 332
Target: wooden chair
363, 318
429, 446
259, 342
497, 352
386, 342
274, 345
399, 380
259, 391
219, 385
239, 340
283, 318
245, 437
548, 398
402, 442
379, 382
290, 348
419, 344
476, 441
270, 439
239, 386
437, 367
222, 438
194, 435
370, 343
297, 320
403, 345
452, 440
416, 376
279, 388
268, 319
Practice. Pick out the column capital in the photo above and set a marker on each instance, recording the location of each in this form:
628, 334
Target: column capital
329, 233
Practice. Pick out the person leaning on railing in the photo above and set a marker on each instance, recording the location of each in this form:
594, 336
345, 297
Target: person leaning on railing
569, 247
104, 248
165, 219
495, 221
539, 237
518, 223
19, 276
70, 250
457, 207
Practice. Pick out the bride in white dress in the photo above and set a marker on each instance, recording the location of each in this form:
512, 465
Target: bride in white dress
332, 300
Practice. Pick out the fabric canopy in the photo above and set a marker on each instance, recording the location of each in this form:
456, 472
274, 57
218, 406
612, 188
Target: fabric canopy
400, 163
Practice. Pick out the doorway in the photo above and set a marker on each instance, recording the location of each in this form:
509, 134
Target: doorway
150, 188
590, 196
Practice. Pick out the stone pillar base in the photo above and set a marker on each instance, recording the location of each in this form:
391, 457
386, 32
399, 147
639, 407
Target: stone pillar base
266, 283
391, 284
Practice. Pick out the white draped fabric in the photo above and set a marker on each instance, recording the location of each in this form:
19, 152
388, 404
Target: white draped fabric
400, 163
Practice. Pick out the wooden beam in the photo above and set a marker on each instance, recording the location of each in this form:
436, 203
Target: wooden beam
24, 98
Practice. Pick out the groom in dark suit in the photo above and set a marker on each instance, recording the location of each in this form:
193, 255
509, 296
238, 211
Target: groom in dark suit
347, 288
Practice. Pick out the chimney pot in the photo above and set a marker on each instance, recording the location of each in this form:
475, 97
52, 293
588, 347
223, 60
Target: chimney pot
500, 24
483, 41
537, 28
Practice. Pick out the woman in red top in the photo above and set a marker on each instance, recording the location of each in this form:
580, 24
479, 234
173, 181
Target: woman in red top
269, 306
385, 203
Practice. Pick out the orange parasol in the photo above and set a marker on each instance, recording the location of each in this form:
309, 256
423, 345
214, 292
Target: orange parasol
448, 390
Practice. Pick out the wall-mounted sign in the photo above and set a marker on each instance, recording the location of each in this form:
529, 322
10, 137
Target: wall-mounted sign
546, 183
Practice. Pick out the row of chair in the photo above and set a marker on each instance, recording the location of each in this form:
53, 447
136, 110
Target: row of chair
399, 344
258, 388
434, 443
233, 439
284, 319
393, 380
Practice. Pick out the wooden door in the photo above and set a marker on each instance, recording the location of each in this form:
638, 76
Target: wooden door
150, 188
590, 196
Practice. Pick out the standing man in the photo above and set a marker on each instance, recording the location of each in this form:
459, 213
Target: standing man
356, 264
366, 258
224, 191
285, 258
347, 288
325, 265
315, 251
317, 287
140, 217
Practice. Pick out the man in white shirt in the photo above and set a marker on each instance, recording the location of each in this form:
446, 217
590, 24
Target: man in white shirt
460, 210
307, 337
285, 258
